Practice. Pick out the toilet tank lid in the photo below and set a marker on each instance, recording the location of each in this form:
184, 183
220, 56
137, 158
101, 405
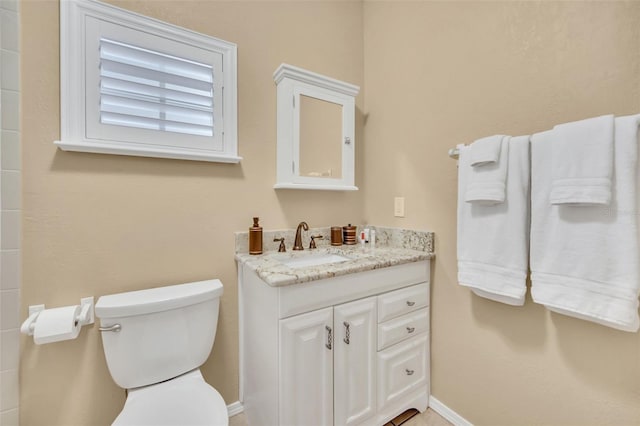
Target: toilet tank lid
157, 299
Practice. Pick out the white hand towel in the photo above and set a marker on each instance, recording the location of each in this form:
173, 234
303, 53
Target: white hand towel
493, 241
582, 162
486, 150
584, 259
486, 184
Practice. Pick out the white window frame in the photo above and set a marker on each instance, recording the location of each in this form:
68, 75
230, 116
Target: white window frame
73, 80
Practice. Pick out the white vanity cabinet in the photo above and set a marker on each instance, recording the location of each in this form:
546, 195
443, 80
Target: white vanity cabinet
349, 350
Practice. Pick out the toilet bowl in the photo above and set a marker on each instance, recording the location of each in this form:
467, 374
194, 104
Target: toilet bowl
154, 342
185, 400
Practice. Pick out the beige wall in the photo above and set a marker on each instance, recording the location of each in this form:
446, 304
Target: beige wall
100, 224
442, 73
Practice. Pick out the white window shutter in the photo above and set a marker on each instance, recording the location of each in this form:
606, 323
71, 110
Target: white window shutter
150, 90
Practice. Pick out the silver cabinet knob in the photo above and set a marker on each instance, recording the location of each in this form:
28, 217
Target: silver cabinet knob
409, 372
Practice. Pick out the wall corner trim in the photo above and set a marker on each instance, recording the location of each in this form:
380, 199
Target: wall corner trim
447, 412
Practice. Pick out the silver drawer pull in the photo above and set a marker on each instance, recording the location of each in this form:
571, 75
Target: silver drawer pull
409, 303
114, 327
411, 329
329, 337
347, 332
409, 372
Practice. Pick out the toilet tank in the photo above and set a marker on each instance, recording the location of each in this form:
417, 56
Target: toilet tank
164, 331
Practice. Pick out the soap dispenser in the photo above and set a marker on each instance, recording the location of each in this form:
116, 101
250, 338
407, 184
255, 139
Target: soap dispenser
255, 237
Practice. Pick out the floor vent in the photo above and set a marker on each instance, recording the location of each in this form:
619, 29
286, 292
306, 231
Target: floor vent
402, 418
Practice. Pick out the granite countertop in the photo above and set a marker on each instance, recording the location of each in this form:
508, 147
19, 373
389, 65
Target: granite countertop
395, 247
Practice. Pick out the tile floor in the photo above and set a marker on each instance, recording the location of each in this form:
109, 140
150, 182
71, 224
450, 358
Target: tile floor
428, 418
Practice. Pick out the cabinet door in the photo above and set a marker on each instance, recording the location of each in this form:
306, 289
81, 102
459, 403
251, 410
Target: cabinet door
306, 369
354, 362
402, 369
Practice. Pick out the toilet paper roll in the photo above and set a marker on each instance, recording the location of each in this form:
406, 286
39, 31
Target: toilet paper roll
54, 325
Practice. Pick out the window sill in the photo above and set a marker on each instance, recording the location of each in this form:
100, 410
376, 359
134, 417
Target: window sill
148, 151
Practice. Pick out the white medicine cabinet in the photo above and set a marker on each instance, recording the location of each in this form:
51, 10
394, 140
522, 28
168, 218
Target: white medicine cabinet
316, 131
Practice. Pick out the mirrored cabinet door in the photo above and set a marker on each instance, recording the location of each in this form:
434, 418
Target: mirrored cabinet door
320, 138
316, 122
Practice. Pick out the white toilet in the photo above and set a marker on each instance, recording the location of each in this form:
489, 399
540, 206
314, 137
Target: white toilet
155, 341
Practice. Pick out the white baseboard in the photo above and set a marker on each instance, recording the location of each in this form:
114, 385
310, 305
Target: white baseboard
434, 404
235, 408
448, 413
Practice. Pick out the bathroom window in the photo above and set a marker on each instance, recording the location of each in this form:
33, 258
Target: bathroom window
132, 85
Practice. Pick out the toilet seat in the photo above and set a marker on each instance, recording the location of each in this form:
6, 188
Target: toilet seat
185, 400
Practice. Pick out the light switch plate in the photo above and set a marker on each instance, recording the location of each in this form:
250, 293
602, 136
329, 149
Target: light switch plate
398, 206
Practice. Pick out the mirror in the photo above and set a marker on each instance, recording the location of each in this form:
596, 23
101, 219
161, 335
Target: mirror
320, 138
316, 122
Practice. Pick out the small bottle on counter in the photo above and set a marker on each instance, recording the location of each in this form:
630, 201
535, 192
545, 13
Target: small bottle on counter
372, 238
255, 237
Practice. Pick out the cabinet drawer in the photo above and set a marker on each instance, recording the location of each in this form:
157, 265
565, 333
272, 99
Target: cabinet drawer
400, 302
402, 369
401, 328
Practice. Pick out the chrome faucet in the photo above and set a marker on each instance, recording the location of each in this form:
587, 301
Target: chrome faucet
297, 245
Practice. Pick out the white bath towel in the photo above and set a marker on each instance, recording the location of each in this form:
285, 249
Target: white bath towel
485, 150
486, 184
582, 161
493, 241
584, 259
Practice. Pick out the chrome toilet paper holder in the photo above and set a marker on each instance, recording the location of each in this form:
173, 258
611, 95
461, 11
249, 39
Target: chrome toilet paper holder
85, 316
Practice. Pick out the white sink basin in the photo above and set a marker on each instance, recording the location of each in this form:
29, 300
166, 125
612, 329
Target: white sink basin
313, 260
